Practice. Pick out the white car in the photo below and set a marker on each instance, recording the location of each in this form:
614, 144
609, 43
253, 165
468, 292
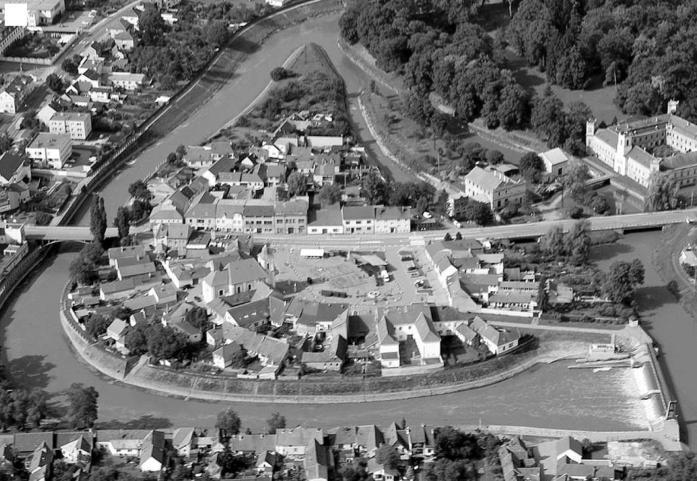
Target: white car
427, 215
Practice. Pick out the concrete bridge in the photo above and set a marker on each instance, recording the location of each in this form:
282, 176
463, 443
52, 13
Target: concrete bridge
63, 233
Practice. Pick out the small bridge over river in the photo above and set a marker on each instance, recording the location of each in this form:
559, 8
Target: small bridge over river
63, 233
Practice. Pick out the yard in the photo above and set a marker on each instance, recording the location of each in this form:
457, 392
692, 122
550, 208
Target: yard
34, 45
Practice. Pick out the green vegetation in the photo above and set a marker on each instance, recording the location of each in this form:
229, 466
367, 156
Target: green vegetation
33, 45
275, 422
98, 222
316, 87
82, 407
228, 423
647, 48
21, 408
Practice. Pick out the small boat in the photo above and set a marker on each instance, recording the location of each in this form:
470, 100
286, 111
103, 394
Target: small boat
131, 162
602, 369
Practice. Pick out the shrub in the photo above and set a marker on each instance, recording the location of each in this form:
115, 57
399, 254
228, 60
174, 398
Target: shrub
279, 73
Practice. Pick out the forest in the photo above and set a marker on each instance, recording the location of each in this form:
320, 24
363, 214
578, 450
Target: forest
646, 48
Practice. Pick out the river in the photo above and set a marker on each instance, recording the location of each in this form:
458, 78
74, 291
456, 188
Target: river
37, 353
243, 88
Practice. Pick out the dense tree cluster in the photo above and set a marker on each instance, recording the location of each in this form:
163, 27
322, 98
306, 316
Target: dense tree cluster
622, 280
172, 53
161, 342
420, 196
21, 408
557, 126
645, 47
663, 193
83, 269
82, 406
437, 48
573, 246
458, 454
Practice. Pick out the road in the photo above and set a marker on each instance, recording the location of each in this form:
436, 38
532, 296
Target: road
512, 231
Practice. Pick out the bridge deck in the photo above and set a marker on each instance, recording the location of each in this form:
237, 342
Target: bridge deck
64, 233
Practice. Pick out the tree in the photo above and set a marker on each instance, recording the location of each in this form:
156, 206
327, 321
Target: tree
279, 73
663, 193
373, 187
165, 343
297, 184
479, 212
275, 422
574, 181
83, 272
98, 222
55, 83
329, 194
70, 65
122, 222
554, 243
494, 157
622, 281
453, 444
82, 407
197, 317
548, 118
458, 236
5, 143
579, 242
230, 463
151, 26
136, 340
139, 190
92, 253
388, 456
228, 423
531, 166
216, 33
96, 325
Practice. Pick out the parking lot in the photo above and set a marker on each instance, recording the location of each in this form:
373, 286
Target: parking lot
334, 278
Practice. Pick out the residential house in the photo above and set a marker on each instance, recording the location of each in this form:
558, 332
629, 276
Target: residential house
102, 94
117, 331
331, 358
124, 41
237, 276
173, 237
202, 212
556, 162
225, 355
184, 441
358, 219
131, 266
45, 113
40, 463
229, 215
12, 97
186, 273
327, 220
391, 220
318, 461
152, 454
325, 172
291, 216
87, 80
126, 80
494, 188
408, 322
270, 351
50, 150
497, 341
259, 217
122, 252
381, 472
79, 450
14, 168
12, 196
76, 124
164, 293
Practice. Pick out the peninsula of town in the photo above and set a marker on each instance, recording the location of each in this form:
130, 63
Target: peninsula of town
348, 240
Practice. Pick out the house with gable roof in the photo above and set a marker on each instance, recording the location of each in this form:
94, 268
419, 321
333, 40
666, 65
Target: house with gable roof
408, 324
498, 341
233, 278
494, 188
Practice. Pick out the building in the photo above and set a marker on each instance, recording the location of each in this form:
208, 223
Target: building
327, 220
13, 168
13, 95
496, 340
235, 277
358, 220
639, 148
50, 150
556, 162
494, 188
391, 220
408, 323
291, 216
77, 125
152, 454
126, 80
32, 13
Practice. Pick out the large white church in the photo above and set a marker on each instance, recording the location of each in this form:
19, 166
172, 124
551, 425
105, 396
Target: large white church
630, 147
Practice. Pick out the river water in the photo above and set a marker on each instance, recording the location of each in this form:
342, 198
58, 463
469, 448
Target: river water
37, 353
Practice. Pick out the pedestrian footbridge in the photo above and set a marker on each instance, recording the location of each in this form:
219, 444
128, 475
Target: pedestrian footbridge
63, 233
